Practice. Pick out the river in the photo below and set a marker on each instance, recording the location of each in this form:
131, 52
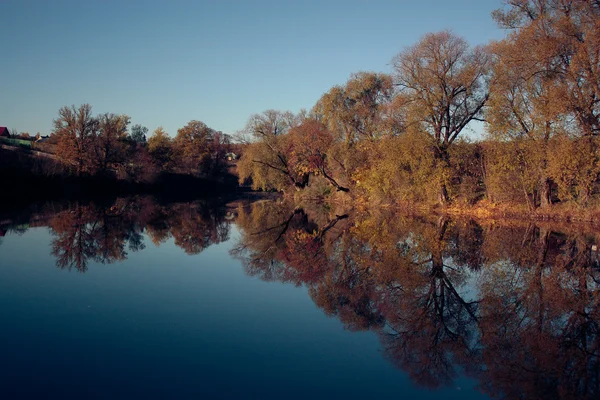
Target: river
134, 298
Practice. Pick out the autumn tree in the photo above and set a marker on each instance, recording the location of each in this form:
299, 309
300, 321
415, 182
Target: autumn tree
442, 84
567, 45
308, 147
271, 123
109, 149
556, 43
76, 129
160, 148
521, 109
399, 170
265, 160
360, 108
219, 145
192, 145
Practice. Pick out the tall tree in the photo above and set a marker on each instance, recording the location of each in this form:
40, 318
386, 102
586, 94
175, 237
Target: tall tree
522, 108
558, 42
360, 108
138, 133
566, 45
265, 160
160, 147
442, 83
219, 146
308, 145
109, 147
192, 144
270, 123
76, 129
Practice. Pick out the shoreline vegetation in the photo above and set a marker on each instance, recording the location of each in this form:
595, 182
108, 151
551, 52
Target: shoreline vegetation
388, 140
97, 156
380, 140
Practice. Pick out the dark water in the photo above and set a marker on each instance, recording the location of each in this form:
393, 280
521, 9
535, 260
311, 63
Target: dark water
136, 299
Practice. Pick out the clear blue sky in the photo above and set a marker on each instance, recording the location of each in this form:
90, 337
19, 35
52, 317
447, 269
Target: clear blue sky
168, 62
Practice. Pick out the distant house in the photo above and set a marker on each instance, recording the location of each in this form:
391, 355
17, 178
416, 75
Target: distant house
4, 132
40, 139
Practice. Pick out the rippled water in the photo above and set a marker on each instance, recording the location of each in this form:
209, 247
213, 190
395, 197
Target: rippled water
137, 299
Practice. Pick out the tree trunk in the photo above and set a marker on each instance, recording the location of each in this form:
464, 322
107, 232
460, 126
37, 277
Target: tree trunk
443, 195
545, 182
545, 192
443, 161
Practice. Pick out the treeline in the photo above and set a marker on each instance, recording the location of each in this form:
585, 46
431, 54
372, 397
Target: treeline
97, 155
399, 137
101, 145
87, 146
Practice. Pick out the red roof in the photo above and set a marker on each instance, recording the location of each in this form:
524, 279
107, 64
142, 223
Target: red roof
4, 131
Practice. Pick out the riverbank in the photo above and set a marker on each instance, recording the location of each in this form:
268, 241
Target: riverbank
503, 214
483, 210
568, 213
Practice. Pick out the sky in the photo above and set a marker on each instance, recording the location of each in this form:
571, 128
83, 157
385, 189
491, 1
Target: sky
164, 63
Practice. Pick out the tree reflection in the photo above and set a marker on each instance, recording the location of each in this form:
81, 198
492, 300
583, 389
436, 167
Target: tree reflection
514, 307
100, 234
540, 319
430, 325
105, 234
283, 244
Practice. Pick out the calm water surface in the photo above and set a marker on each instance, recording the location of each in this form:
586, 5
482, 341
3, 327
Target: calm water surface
137, 299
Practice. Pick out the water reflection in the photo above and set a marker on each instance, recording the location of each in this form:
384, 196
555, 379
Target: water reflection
513, 306
106, 232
